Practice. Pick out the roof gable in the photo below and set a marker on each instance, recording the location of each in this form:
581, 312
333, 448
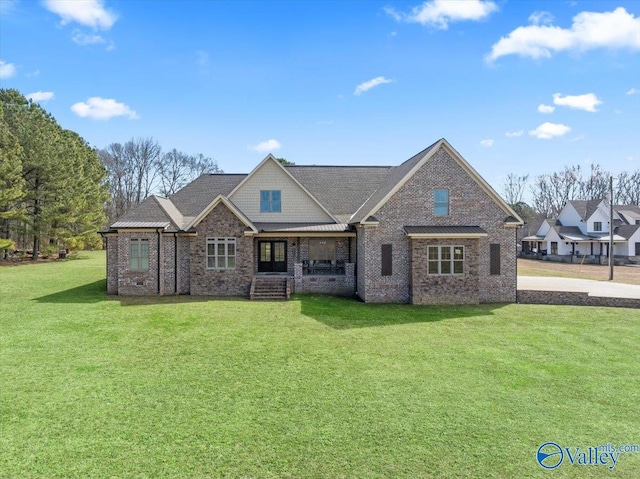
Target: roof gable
148, 214
225, 201
341, 189
297, 203
402, 173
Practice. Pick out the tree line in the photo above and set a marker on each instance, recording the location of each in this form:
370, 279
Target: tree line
56, 191
139, 168
52, 184
550, 192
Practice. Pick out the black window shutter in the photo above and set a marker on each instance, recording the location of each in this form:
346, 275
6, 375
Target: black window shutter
386, 260
495, 259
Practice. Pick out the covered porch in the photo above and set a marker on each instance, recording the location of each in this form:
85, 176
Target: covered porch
320, 258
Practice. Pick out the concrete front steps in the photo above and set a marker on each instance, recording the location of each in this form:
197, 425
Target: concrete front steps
270, 288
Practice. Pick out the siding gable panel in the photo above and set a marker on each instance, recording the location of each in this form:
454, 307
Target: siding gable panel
296, 204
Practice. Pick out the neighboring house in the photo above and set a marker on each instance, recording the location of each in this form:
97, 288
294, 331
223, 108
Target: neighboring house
582, 230
429, 231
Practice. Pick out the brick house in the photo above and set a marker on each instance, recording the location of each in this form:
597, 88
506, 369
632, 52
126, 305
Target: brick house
428, 231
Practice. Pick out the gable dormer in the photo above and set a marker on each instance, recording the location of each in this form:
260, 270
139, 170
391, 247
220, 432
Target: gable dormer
271, 194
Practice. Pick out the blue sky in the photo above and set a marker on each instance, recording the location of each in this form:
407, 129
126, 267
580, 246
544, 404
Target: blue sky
515, 86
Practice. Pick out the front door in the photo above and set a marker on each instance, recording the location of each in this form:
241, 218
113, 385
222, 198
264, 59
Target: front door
272, 257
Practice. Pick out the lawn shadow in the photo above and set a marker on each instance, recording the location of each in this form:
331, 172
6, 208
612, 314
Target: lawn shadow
173, 299
97, 291
348, 313
87, 293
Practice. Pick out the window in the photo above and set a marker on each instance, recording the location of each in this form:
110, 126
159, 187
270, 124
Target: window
270, 201
637, 249
221, 253
441, 202
322, 250
139, 254
554, 247
386, 260
445, 260
597, 226
494, 259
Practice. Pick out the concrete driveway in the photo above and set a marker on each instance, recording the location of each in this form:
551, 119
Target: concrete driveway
593, 288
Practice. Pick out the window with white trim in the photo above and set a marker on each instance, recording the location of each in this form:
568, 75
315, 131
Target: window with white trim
139, 254
441, 202
597, 226
221, 253
446, 260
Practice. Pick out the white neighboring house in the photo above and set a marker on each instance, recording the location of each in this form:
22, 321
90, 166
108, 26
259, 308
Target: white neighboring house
582, 230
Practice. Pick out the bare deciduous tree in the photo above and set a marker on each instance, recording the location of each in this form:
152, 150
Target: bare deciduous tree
514, 187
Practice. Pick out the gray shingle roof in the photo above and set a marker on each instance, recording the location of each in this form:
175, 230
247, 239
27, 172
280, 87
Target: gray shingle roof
196, 196
571, 233
340, 189
149, 211
393, 178
440, 230
626, 231
585, 208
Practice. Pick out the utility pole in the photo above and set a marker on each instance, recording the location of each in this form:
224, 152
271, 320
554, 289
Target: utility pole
610, 228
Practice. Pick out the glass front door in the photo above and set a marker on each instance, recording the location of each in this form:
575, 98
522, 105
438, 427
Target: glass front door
272, 256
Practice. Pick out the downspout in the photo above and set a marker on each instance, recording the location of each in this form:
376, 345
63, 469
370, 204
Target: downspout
175, 262
159, 246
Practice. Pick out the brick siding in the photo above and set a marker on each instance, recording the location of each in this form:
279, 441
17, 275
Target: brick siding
412, 204
221, 223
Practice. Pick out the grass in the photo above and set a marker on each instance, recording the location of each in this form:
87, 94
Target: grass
622, 274
315, 387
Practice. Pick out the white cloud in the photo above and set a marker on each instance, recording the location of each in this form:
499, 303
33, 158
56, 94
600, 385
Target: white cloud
40, 96
633, 91
90, 13
368, 85
7, 70
102, 109
542, 108
541, 18
629, 158
548, 130
87, 39
513, 134
616, 29
486, 143
586, 102
266, 146
439, 13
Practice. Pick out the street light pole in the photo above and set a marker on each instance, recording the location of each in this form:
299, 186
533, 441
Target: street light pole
610, 228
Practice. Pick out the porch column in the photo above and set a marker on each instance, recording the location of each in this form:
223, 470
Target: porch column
297, 277
350, 274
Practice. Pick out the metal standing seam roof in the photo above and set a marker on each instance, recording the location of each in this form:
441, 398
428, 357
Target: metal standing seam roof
443, 230
140, 224
302, 227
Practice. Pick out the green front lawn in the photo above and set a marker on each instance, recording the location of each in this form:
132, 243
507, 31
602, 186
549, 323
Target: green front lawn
314, 387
